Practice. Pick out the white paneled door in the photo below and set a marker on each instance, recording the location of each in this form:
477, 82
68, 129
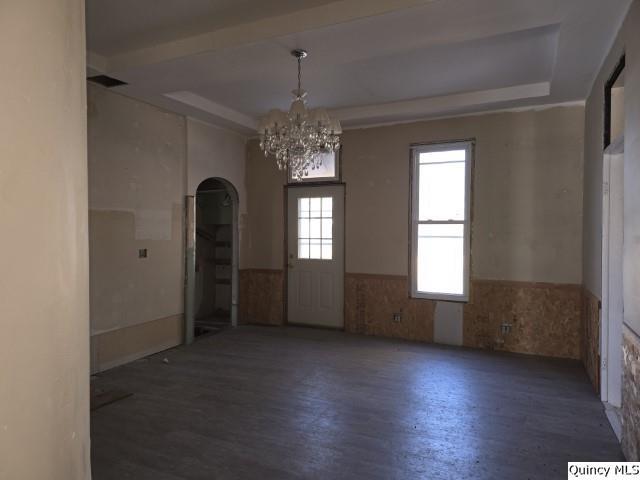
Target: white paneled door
316, 255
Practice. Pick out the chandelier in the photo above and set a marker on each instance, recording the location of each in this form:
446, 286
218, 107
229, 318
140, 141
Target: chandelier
298, 138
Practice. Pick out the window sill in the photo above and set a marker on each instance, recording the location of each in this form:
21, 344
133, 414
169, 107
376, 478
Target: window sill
441, 297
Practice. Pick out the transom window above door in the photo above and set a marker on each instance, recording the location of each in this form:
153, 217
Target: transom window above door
329, 170
315, 228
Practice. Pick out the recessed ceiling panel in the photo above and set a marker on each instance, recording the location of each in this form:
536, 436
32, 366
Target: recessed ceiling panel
494, 62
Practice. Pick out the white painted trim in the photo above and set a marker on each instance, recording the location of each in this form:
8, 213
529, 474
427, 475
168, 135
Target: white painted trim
610, 343
467, 145
102, 367
615, 420
95, 333
528, 108
213, 108
440, 104
421, 107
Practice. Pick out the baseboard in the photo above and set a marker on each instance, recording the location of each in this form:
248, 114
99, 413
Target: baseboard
118, 347
103, 367
615, 419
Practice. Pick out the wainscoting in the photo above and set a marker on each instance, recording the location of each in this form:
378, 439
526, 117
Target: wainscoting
372, 300
545, 318
590, 350
631, 395
261, 297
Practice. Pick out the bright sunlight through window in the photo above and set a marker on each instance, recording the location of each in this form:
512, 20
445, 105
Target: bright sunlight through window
440, 220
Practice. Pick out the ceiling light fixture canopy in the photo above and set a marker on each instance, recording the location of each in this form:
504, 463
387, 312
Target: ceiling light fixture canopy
298, 137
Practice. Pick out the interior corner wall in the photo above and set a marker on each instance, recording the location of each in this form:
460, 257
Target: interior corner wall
44, 297
137, 184
526, 229
627, 42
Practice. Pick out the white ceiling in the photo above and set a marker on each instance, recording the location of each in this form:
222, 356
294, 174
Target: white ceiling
371, 61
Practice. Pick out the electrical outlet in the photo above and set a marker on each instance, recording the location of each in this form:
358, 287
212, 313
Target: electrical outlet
397, 317
505, 328
142, 253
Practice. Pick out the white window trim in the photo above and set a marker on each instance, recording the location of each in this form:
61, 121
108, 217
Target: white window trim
416, 150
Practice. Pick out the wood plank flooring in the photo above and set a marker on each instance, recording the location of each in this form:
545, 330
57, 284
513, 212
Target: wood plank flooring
285, 403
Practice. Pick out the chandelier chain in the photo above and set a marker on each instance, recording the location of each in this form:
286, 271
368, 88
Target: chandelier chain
299, 74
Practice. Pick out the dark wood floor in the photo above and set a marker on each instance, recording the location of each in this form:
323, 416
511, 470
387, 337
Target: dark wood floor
280, 403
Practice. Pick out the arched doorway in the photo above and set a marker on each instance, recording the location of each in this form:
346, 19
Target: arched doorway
212, 259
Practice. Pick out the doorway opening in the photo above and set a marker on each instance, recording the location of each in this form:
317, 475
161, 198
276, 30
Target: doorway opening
612, 248
212, 276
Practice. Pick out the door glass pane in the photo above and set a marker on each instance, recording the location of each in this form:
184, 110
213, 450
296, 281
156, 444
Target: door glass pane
441, 190
303, 248
303, 228
316, 210
315, 228
327, 249
327, 228
315, 252
327, 207
441, 259
303, 207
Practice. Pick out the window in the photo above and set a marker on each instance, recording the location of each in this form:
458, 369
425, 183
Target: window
440, 206
315, 228
329, 170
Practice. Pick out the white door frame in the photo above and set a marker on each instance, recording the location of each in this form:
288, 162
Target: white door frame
612, 309
287, 189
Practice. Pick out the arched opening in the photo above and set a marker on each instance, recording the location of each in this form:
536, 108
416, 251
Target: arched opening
212, 263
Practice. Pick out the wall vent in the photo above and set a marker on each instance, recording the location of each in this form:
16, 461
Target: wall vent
106, 81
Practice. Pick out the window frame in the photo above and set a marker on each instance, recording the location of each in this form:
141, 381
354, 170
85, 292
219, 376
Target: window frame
416, 150
321, 180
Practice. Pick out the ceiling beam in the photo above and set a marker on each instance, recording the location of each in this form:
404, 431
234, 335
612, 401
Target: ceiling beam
215, 109
337, 12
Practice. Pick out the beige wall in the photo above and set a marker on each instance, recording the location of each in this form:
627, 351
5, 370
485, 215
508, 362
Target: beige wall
44, 298
216, 152
137, 174
142, 162
137, 183
527, 203
262, 245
